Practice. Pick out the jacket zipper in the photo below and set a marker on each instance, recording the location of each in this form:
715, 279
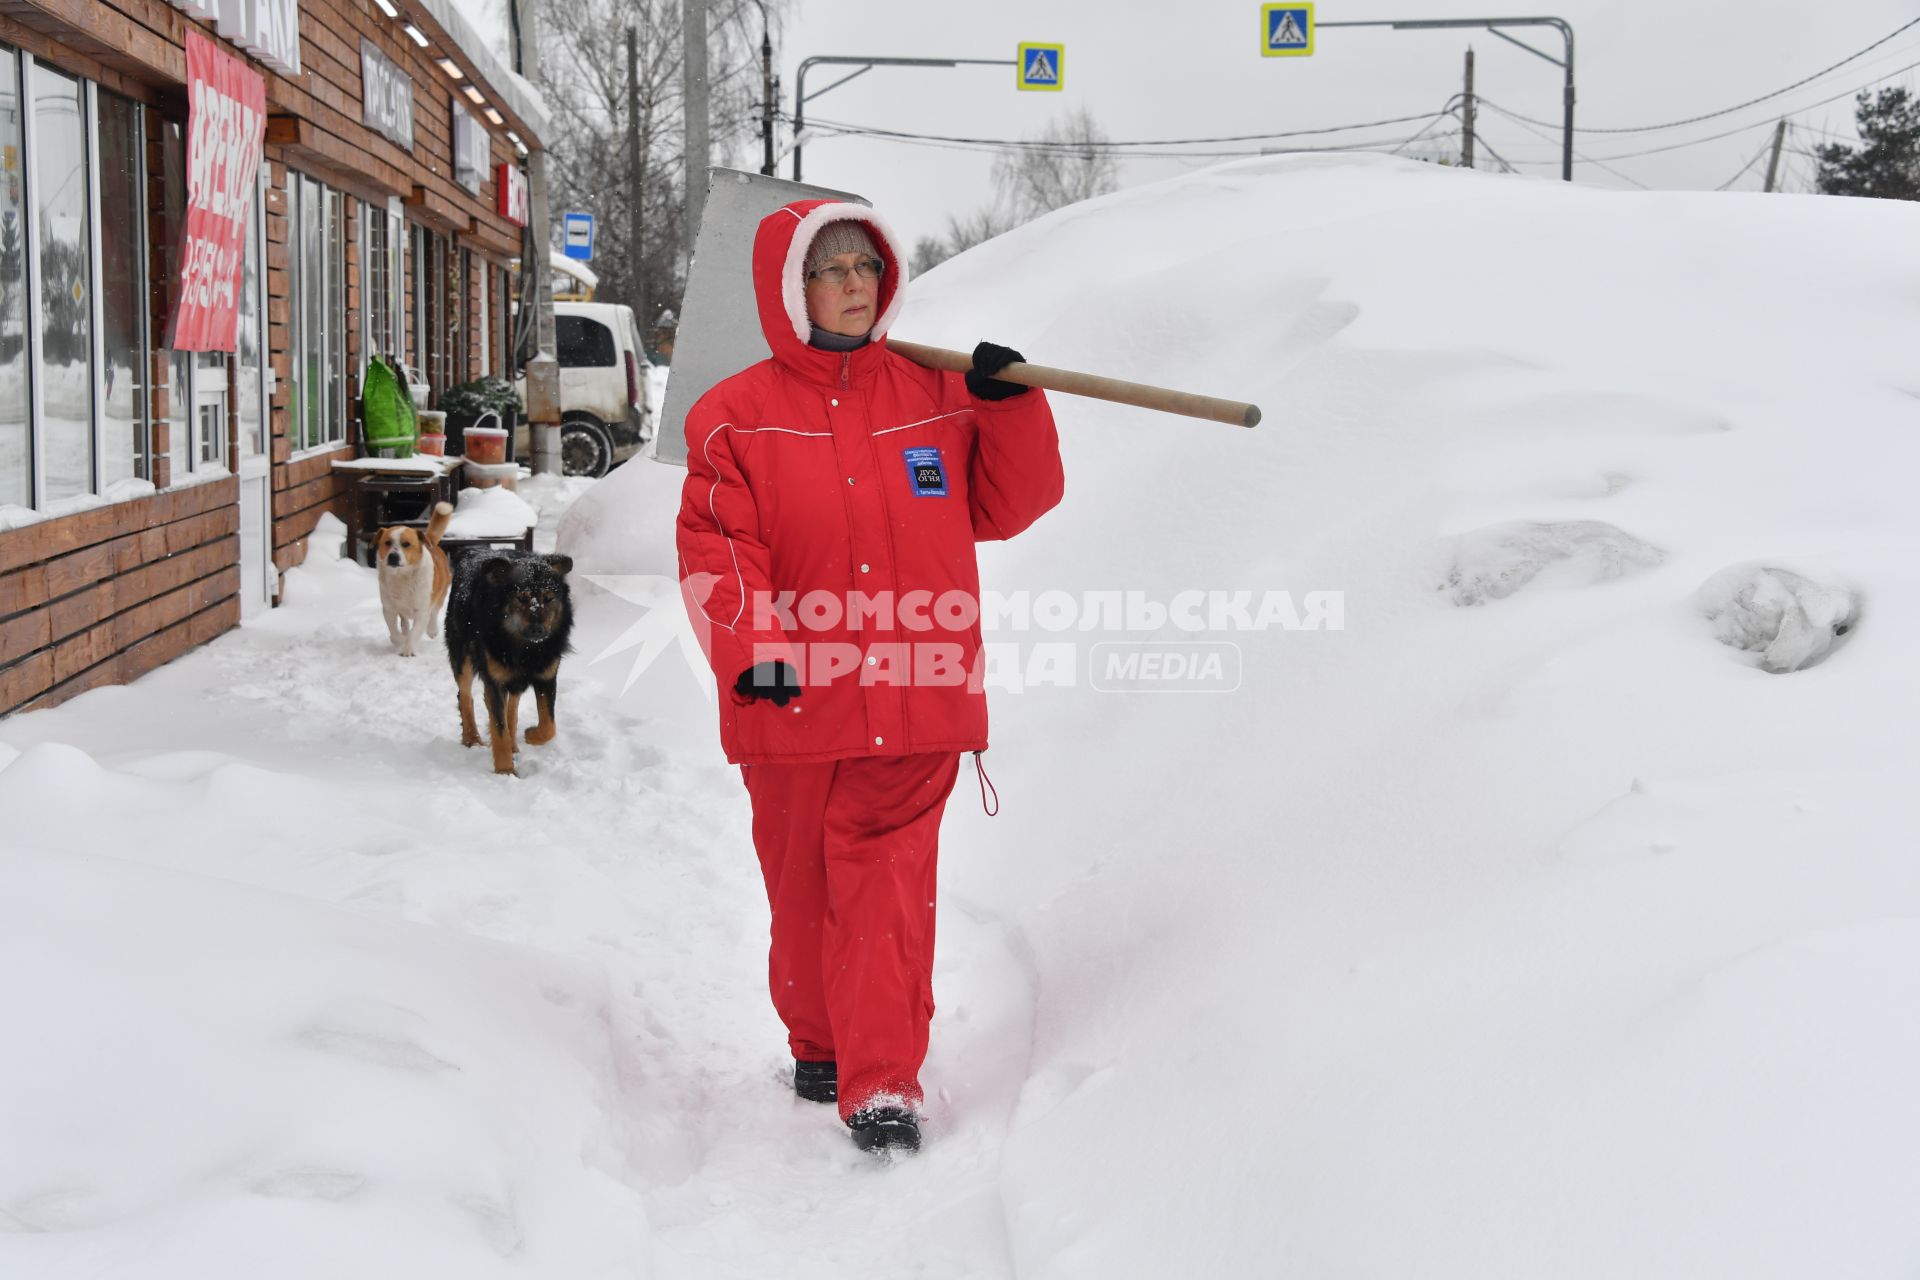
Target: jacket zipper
846, 363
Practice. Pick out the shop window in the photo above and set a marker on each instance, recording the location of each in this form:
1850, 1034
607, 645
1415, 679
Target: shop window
320, 313
505, 295
456, 370
336, 348
383, 300
62, 238
16, 391
209, 410
430, 320
181, 452
482, 274
74, 281
249, 360
123, 291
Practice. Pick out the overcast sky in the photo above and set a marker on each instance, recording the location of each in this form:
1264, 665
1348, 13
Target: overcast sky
1150, 69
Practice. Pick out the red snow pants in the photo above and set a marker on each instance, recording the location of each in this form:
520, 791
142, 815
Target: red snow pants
849, 848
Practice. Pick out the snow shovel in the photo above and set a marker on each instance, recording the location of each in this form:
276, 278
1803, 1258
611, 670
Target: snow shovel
1186, 403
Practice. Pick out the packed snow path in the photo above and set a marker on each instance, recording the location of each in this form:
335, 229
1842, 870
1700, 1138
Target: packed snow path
590, 1036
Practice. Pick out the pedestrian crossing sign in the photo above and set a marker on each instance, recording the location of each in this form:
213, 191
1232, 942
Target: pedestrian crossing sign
1286, 30
1042, 66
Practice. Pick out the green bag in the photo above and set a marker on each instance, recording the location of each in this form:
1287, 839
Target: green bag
386, 412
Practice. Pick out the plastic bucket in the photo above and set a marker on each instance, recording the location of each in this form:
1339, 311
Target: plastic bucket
486, 445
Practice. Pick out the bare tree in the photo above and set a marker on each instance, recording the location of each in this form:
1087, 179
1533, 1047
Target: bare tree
584, 79
1073, 162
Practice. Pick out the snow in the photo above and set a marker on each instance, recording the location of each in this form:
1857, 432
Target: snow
496, 512
1570, 928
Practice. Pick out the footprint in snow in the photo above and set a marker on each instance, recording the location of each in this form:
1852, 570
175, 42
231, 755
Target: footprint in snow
1494, 562
1791, 619
496, 1222
379, 1050
308, 1182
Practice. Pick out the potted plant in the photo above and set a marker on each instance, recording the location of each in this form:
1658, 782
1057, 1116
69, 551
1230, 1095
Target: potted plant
466, 404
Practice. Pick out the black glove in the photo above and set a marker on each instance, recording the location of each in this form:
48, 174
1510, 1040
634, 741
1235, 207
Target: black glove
987, 361
777, 682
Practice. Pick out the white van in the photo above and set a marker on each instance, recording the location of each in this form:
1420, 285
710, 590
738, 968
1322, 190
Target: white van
604, 415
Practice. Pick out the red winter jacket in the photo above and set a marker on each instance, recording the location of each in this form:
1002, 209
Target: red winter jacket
842, 473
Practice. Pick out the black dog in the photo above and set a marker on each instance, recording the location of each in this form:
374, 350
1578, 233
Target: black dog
508, 619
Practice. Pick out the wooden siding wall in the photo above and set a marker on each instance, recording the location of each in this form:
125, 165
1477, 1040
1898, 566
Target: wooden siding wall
109, 594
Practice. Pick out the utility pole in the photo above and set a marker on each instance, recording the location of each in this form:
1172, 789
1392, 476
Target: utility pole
636, 187
769, 91
1773, 162
543, 372
1466, 117
693, 17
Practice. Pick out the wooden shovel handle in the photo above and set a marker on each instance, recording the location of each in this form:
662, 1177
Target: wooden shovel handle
1187, 403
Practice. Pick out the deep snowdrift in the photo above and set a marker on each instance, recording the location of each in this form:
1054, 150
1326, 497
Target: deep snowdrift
1525, 925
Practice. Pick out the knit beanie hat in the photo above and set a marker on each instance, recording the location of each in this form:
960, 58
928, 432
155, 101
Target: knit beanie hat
844, 236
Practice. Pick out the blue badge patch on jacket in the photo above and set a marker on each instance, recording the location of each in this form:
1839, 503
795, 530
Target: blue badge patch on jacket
927, 472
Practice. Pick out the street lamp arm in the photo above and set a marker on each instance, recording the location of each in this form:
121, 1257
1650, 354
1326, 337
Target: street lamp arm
801, 97
1524, 45
851, 75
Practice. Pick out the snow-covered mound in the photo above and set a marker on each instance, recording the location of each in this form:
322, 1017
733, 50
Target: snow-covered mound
1552, 937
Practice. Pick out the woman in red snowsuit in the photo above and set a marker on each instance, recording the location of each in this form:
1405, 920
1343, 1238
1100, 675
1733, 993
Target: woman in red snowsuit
834, 495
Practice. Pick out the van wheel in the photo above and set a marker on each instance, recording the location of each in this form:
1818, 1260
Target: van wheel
585, 448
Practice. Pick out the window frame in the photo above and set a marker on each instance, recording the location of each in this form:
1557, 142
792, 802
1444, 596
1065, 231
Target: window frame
257, 243
36, 305
143, 279
96, 283
309, 197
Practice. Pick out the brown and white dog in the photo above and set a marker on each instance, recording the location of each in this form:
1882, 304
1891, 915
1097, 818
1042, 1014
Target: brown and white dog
414, 577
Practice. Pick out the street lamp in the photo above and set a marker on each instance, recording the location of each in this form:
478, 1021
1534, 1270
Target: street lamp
1493, 25
801, 97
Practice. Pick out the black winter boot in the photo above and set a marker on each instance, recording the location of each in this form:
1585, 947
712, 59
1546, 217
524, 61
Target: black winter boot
816, 1081
885, 1129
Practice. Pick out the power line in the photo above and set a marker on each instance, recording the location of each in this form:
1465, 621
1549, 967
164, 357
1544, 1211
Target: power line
1388, 144
1480, 141
1712, 115
1042, 145
1755, 159
1579, 155
1444, 115
1715, 137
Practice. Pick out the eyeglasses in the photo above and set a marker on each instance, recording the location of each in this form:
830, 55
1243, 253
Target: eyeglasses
869, 269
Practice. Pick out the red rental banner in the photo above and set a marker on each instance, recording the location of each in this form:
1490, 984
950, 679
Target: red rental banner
226, 133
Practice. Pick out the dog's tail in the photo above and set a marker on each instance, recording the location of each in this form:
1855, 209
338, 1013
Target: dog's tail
442, 512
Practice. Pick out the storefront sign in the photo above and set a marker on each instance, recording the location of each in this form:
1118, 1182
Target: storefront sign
226, 130
386, 96
268, 29
512, 186
471, 147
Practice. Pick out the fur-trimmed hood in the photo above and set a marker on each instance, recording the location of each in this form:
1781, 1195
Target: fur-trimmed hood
780, 287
